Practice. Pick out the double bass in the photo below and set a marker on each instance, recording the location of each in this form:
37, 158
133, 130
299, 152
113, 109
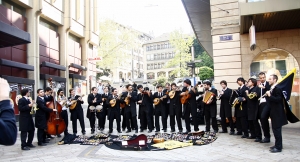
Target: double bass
55, 124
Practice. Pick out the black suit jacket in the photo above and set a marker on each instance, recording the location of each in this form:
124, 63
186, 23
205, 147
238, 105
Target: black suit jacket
241, 108
25, 118
175, 104
105, 103
225, 107
212, 107
132, 105
115, 109
252, 104
41, 114
277, 113
91, 97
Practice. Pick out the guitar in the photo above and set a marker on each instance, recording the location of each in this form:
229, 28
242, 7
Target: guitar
185, 98
139, 143
74, 103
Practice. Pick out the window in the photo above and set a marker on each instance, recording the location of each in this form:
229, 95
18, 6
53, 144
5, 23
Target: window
162, 56
155, 66
154, 47
148, 57
49, 25
14, 7
158, 47
155, 57
158, 56
152, 57
151, 66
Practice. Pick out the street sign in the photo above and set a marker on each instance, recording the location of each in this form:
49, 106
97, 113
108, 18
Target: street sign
191, 64
95, 59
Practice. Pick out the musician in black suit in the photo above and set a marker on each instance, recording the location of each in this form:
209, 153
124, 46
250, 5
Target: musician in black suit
241, 110
175, 109
63, 101
210, 107
94, 99
167, 101
102, 114
41, 117
160, 108
277, 112
114, 110
190, 107
225, 108
252, 106
145, 104
26, 125
77, 112
263, 111
48, 97
130, 108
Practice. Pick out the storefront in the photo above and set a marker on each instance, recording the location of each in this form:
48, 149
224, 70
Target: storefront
79, 84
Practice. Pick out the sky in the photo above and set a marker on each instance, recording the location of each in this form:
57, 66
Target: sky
148, 16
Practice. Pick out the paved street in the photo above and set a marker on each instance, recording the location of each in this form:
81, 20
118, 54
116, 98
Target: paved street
225, 148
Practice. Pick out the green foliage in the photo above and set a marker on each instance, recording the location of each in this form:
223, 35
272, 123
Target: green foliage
116, 42
206, 60
198, 49
206, 73
162, 80
182, 44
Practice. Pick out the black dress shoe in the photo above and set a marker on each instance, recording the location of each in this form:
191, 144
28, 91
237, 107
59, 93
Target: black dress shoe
42, 144
92, 132
157, 131
251, 137
165, 130
223, 132
83, 133
128, 131
45, 141
239, 133
274, 150
49, 136
216, 131
188, 131
149, 131
265, 140
31, 146
25, 148
136, 131
101, 129
274, 147
123, 129
119, 131
244, 136
231, 133
257, 140
110, 131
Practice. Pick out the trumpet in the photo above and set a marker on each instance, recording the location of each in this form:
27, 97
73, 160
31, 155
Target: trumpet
34, 106
252, 95
235, 101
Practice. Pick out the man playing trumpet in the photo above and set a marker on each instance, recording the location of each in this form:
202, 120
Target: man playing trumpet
94, 99
114, 110
26, 125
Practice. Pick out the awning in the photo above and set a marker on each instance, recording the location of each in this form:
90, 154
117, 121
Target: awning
12, 79
52, 65
54, 78
12, 36
77, 76
15, 64
79, 67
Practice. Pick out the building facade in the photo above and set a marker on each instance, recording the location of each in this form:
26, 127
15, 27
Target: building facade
63, 36
223, 30
157, 52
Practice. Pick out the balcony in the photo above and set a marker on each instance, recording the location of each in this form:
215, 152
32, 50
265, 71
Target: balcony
269, 15
52, 14
76, 28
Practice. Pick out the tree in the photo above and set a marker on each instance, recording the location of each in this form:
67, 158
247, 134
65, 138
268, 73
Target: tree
206, 60
161, 80
182, 44
116, 44
206, 73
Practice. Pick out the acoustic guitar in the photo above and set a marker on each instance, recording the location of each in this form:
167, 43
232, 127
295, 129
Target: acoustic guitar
185, 98
74, 103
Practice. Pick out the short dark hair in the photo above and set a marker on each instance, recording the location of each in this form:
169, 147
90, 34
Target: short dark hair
275, 77
38, 91
139, 86
207, 83
59, 90
223, 82
113, 89
93, 88
187, 81
158, 86
168, 84
24, 91
262, 73
128, 85
241, 79
70, 90
173, 84
254, 81
47, 89
146, 88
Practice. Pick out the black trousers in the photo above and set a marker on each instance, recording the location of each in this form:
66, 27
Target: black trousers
130, 120
101, 118
162, 113
213, 122
145, 119
257, 129
186, 116
224, 124
76, 116
23, 136
167, 106
264, 119
92, 120
64, 115
177, 115
252, 128
114, 115
41, 135
242, 125
278, 137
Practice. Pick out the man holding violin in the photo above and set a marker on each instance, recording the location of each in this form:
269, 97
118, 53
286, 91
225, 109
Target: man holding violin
77, 112
94, 99
145, 106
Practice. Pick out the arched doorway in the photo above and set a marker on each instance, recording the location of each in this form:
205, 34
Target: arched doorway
150, 75
279, 62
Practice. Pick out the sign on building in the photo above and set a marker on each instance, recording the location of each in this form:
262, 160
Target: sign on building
225, 37
252, 37
95, 59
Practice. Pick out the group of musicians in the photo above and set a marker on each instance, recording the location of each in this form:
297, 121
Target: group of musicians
249, 102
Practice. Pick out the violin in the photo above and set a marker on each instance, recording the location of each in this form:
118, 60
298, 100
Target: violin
55, 124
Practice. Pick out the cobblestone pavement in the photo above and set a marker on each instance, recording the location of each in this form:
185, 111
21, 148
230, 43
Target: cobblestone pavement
225, 148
